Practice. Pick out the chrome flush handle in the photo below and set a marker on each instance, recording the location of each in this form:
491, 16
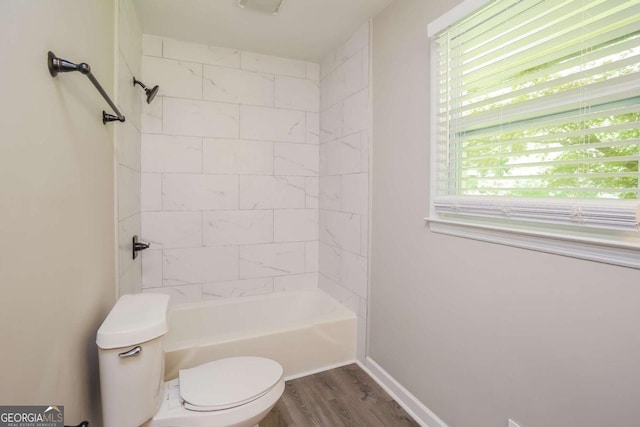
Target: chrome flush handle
133, 352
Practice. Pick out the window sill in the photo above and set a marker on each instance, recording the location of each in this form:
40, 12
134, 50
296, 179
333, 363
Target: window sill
616, 252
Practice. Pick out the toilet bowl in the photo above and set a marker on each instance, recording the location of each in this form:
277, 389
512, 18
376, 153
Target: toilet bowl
233, 392
237, 392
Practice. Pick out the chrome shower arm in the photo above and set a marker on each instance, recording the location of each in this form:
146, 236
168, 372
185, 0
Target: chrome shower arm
58, 65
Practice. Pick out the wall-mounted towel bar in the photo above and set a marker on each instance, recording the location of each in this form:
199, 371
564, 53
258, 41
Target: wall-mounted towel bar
58, 65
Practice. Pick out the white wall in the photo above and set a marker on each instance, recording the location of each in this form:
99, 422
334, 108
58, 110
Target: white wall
344, 176
481, 332
128, 140
230, 172
57, 263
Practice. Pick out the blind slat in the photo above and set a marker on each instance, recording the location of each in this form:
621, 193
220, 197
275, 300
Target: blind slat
555, 149
618, 159
553, 177
493, 84
564, 32
532, 60
621, 216
536, 125
622, 87
553, 189
539, 89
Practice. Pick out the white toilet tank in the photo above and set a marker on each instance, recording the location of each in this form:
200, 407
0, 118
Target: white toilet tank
131, 355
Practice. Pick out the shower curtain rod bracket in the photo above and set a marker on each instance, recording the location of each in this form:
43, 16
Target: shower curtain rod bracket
106, 118
58, 65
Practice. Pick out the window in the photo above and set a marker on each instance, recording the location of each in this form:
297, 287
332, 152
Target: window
536, 125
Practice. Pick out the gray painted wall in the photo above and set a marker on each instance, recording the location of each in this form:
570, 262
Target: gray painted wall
481, 332
57, 266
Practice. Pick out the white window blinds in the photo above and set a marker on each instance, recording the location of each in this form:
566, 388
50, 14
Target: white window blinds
538, 113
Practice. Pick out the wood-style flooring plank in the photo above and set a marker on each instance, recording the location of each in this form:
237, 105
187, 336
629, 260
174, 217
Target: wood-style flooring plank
341, 397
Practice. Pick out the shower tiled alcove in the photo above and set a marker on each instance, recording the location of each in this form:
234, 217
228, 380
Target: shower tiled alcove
230, 172
253, 174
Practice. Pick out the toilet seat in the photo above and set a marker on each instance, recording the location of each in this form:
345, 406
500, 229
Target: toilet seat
228, 383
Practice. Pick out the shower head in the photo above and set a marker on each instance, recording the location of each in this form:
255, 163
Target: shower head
151, 93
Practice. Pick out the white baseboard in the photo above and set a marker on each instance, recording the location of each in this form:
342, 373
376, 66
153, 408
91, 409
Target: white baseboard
420, 413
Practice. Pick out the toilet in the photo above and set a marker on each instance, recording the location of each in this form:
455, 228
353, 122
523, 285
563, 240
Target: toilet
231, 392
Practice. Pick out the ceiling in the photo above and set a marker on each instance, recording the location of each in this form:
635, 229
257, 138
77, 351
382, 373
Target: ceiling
304, 29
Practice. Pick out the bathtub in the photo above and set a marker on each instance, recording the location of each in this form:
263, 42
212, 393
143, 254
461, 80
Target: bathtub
305, 331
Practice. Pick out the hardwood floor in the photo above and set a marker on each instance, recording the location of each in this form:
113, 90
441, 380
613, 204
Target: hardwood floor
344, 396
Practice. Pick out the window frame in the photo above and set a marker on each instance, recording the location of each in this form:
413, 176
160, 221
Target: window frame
607, 246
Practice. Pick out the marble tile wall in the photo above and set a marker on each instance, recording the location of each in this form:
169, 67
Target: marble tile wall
344, 176
230, 172
128, 141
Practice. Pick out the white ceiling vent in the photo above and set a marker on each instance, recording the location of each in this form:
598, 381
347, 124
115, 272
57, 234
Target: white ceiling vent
271, 7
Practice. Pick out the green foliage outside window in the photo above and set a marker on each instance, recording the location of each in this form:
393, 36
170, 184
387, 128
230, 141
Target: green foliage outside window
575, 153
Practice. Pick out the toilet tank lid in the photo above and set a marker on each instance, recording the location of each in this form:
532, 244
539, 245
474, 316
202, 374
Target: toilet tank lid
134, 319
